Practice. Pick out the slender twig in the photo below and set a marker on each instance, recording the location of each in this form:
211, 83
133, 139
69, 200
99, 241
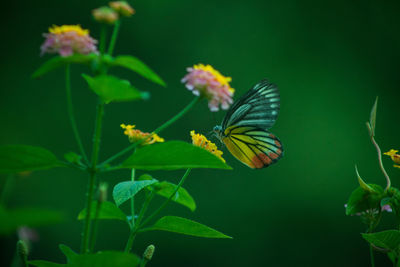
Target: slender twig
133, 200
156, 131
378, 150
70, 108
6, 189
371, 254
103, 35
114, 37
92, 179
135, 229
95, 225
138, 224
179, 185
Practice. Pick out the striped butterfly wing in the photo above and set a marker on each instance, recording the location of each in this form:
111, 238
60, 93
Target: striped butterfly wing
259, 107
255, 147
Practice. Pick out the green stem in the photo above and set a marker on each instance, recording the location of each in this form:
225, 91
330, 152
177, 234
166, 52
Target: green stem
371, 254
135, 229
92, 179
143, 262
156, 131
70, 108
155, 213
138, 224
133, 201
372, 226
6, 189
103, 35
95, 225
378, 150
114, 37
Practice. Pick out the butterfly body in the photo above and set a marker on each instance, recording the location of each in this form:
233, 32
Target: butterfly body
244, 129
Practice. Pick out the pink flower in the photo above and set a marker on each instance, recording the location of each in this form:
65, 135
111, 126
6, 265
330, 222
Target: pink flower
67, 40
386, 208
205, 81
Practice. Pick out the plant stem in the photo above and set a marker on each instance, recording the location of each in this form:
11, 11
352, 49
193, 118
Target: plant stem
95, 225
103, 35
70, 108
114, 37
135, 229
158, 130
143, 262
378, 150
92, 179
168, 200
138, 224
6, 189
133, 200
371, 254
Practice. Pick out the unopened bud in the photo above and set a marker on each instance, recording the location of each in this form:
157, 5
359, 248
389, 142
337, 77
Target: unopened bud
22, 250
103, 192
122, 7
148, 253
105, 15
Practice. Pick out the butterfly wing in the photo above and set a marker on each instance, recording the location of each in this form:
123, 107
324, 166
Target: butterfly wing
245, 127
259, 107
255, 147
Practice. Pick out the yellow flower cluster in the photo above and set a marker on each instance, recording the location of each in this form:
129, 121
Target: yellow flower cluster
218, 76
201, 141
137, 135
395, 157
68, 28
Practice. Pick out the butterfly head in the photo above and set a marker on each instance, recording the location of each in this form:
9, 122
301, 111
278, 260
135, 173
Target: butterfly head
218, 131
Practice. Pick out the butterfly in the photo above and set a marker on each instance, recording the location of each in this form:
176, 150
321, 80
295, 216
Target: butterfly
244, 130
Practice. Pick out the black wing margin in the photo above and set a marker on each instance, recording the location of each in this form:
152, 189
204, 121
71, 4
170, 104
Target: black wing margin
259, 107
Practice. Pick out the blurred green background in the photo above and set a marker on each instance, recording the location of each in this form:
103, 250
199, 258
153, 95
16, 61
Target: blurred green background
330, 60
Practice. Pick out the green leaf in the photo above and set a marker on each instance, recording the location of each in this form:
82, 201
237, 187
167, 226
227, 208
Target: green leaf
73, 158
182, 197
68, 252
363, 184
99, 259
173, 155
186, 227
108, 211
389, 239
111, 88
18, 158
58, 61
42, 263
361, 200
144, 177
139, 67
12, 219
372, 117
126, 190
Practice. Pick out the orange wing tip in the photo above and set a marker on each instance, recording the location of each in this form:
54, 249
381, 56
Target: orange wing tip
261, 160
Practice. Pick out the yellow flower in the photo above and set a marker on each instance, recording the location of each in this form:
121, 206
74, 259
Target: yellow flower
395, 157
68, 28
137, 135
201, 141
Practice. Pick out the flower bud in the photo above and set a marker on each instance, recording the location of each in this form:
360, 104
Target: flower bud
105, 15
123, 8
148, 253
22, 251
103, 192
